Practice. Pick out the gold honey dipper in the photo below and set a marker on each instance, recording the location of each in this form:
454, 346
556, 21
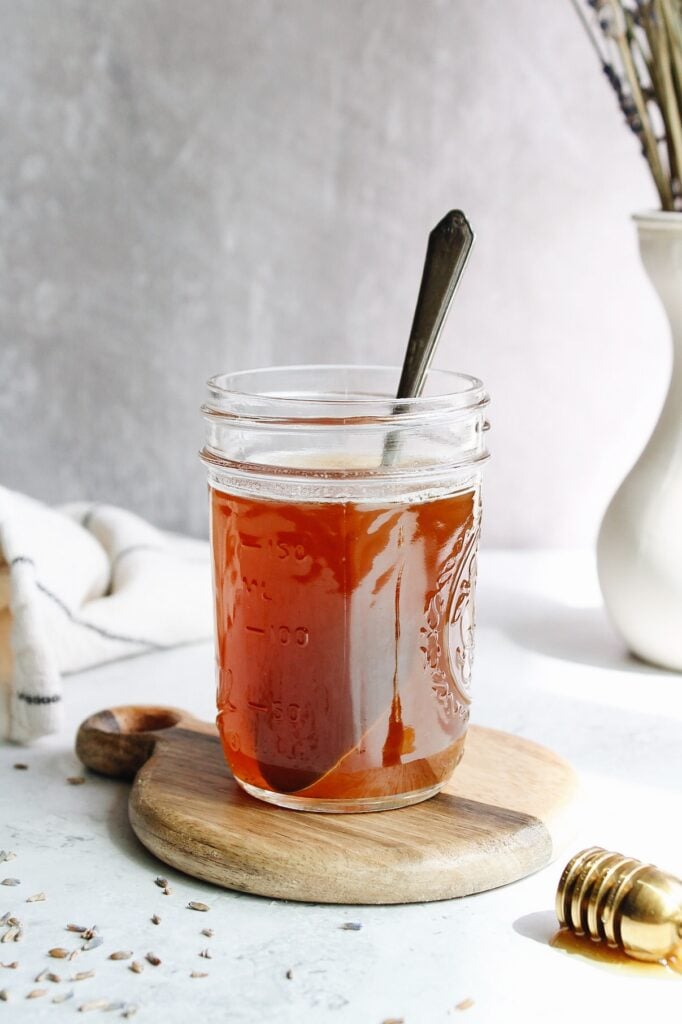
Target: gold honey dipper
622, 903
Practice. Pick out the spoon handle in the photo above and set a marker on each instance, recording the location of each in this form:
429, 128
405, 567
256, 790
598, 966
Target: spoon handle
447, 253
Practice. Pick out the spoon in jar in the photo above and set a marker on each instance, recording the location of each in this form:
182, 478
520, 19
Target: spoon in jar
446, 257
447, 254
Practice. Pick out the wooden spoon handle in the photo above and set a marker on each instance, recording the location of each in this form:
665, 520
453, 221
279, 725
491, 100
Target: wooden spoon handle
118, 741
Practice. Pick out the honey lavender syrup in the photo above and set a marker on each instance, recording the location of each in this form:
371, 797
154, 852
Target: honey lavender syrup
343, 588
343, 642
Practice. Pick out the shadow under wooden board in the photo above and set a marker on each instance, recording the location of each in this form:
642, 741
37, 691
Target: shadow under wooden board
506, 813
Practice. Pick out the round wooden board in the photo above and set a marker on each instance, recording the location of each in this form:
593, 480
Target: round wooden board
506, 813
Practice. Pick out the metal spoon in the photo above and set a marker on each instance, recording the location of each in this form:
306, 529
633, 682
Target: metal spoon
447, 253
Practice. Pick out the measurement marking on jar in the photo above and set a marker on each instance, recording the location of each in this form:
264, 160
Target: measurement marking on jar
228, 690
299, 636
283, 550
249, 542
257, 707
256, 585
233, 740
283, 635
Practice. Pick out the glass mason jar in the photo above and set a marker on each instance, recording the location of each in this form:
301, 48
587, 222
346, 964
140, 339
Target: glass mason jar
344, 532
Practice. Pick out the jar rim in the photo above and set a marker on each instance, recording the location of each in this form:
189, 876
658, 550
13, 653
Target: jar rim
318, 427
445, 390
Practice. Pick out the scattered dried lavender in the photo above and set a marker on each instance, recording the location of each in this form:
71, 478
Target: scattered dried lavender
47, 976
91, 939
62, 997
639, 46
15, 931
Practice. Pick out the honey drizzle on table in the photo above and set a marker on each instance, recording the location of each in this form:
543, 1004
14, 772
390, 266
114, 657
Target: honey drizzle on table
598, 952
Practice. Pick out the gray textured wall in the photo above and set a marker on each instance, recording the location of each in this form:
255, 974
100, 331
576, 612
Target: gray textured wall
194, 186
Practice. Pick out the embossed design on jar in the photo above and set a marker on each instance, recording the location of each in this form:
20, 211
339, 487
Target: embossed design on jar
448, 634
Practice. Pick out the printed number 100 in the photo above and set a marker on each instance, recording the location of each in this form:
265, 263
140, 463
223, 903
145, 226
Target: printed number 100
285, 636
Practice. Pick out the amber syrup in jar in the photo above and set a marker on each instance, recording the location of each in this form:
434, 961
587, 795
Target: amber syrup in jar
344, 635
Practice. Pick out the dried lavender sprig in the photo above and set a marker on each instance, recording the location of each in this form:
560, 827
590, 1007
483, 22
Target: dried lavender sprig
625, 101
655, 31
620, 24
669, 95
590, 34
649, 139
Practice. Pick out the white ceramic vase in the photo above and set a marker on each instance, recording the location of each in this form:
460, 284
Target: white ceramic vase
639, 550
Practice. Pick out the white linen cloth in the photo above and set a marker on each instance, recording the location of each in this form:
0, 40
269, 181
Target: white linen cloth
81, 585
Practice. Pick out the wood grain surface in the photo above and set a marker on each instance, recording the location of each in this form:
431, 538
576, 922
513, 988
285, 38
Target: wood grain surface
506, 813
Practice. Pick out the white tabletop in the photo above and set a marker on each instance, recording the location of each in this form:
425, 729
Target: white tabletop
548, 667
